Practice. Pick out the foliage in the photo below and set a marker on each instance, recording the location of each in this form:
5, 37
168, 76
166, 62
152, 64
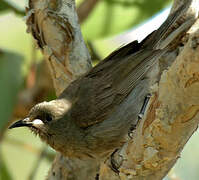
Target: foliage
115, 16
11, 79
110, 16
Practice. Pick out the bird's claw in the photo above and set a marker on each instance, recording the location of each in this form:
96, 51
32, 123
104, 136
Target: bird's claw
113, 165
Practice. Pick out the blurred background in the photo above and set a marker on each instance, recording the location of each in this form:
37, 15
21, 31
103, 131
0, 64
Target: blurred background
25, 80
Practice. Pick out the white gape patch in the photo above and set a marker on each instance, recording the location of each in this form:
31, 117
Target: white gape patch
37, 122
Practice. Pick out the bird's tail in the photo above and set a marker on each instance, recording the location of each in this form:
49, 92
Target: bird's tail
165, 36
173, 27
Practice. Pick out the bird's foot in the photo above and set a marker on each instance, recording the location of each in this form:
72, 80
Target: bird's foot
140, 115
113, 165
143, 109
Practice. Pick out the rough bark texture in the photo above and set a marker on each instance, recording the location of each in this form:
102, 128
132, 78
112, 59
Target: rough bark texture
171, 119
54, 25
172, 113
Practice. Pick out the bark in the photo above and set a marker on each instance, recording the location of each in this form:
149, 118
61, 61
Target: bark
54, 25
171, 117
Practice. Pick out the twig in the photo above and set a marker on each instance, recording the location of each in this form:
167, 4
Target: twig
85, 8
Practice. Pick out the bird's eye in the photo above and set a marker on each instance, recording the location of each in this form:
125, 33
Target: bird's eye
48, 117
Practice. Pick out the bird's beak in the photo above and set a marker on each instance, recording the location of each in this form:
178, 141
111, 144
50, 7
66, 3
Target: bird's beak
21, 123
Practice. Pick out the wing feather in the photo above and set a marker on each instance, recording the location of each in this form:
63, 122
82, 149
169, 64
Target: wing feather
108, 88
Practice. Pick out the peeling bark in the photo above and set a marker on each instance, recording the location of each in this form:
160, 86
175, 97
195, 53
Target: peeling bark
171, 119
54, 25
172, 115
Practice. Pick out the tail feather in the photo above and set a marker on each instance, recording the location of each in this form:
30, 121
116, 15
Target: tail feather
156, 39
159, 38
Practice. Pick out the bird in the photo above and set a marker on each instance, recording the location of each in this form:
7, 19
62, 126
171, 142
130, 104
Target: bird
92, 116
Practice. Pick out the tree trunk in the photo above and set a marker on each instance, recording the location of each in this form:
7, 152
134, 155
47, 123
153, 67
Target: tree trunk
171, 117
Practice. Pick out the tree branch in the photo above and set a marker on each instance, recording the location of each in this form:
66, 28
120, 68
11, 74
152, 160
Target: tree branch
171, 119
54, 25
85, 8
152, 152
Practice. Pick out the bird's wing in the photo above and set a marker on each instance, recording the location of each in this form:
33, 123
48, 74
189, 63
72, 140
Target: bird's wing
106, 85
101, 91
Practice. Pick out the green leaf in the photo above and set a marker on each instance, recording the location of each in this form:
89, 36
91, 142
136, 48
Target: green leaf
10, 81
114, 16
4, 172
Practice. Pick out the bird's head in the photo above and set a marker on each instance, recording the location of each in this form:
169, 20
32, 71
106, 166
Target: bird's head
43, 117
